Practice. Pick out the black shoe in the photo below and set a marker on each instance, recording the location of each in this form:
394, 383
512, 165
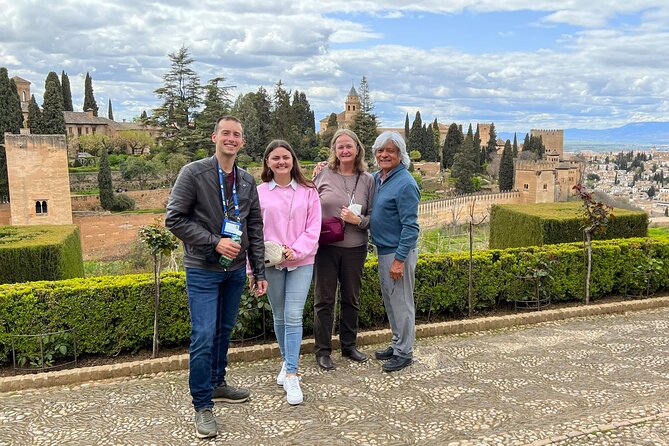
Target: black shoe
228, 394
396, 363
325, 362
382, 355
355, 355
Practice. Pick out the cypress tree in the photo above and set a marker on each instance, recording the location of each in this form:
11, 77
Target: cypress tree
452, 143
331, 129
89, 98
506, 168
34, 117
437, 137
143, 117
110, 113
415, 134
465, 165
407, 130
15, 112
67, 92
53, 120
515, 146
105, 181
491, 146
526, 142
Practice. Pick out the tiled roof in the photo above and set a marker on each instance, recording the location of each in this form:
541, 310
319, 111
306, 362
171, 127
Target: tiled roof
20, 79
83, 118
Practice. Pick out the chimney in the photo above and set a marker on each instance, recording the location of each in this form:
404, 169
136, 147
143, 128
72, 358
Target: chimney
89, 113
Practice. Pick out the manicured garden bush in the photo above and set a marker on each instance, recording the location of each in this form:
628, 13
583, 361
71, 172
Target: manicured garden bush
513, 225
115, 314
49, 252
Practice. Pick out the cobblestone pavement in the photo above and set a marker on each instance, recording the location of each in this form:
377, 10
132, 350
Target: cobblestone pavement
588, 381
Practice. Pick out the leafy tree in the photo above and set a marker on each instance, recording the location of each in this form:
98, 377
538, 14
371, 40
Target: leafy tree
110, 112
169, 165
134, 142
651, 191
53, 120
96, 143
364, 122
282, 118
161, 242
217, 103
465, 165
137, 168
263, 106
34, 116
106, 189
452, 143
143, 117
415, 156
180, 93
506, 168
67, 91
89, 97
244, 109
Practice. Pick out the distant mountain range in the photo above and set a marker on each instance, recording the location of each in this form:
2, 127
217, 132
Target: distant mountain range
641, 133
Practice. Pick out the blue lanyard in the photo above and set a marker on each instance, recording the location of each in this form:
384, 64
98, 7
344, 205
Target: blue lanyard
234, 190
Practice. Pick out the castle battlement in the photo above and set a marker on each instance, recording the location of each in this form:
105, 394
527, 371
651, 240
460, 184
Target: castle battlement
533, 165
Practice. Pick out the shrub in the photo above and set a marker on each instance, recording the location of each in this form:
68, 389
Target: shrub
123, 202
114, 314
50, 252
550, 223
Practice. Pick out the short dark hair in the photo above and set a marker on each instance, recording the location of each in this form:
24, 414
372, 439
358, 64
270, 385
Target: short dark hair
228, 118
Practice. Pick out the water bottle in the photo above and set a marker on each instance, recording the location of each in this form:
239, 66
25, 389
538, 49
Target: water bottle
225, 261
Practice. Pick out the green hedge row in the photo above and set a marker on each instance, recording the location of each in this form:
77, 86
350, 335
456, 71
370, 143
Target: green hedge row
114, 314
49, 252
513, 225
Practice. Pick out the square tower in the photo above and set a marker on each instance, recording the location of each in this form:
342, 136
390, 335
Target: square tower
39, 182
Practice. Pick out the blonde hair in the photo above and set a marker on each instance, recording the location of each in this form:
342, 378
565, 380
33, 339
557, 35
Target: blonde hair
359, 163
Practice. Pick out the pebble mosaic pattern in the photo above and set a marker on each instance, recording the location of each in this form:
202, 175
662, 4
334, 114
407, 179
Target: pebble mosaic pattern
588, 381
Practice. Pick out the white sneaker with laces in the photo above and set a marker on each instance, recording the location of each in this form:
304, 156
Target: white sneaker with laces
281, 377
293, 392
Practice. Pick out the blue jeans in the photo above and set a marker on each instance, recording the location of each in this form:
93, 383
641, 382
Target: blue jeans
287, 292
213, 299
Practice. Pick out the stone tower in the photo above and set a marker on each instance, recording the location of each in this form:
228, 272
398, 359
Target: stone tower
23, 87
39, 182
352, 107
553, 140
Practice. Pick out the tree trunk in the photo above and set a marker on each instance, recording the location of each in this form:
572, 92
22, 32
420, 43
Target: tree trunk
471, 265
588, 246
156, 303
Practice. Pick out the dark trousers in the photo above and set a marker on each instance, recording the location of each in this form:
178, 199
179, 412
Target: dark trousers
344, 265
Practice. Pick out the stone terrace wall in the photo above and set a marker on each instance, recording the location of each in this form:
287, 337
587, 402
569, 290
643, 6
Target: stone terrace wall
437, 213
144, 199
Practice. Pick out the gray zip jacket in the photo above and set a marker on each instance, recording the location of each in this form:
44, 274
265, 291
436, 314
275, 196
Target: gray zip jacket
195, 215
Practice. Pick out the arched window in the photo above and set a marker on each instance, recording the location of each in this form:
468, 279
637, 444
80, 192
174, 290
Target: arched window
41, 207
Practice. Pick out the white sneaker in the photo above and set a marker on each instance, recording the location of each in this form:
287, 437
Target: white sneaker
281, 377
293, 392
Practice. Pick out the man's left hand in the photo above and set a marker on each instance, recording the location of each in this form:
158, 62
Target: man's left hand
397, 269
260, 288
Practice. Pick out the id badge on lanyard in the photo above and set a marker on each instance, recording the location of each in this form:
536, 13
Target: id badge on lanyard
231, 228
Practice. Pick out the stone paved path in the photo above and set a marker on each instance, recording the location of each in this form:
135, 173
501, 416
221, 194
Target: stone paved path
587, 381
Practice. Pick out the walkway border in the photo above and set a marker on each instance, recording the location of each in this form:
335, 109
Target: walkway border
266, 351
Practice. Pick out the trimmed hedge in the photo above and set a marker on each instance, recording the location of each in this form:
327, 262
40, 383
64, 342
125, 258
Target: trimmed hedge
48, 252
114, 314
513, 225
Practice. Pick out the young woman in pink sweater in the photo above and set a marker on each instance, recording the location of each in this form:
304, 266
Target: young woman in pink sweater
291, 213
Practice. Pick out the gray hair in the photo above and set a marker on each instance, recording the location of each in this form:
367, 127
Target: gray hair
397, 139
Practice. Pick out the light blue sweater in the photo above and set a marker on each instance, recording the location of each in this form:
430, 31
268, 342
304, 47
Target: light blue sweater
394, 217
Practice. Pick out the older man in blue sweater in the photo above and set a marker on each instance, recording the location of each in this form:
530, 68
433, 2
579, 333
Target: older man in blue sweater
394, 227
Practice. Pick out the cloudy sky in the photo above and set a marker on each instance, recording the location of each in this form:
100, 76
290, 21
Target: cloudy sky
519, 63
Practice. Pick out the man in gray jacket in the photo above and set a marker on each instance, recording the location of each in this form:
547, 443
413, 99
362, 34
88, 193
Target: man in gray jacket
214, 209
